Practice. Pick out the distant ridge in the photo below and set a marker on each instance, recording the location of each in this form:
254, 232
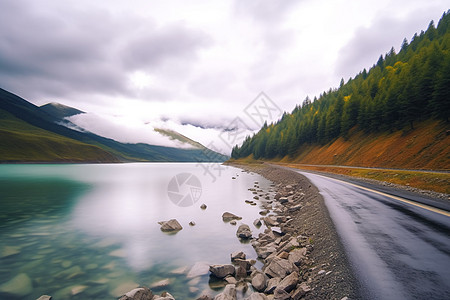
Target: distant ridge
32, 134
59, 110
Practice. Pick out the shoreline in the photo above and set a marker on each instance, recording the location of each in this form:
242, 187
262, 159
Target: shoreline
314, 222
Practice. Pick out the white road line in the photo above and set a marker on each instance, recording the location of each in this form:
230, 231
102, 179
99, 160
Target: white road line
424, 206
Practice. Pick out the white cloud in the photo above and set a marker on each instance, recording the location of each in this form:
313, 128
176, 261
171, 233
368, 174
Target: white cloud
201, 63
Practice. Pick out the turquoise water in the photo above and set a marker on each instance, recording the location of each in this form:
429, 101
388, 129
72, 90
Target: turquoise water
91, 231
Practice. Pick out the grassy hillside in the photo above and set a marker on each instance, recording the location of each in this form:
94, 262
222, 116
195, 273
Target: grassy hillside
425, 147
33, 144
47, 122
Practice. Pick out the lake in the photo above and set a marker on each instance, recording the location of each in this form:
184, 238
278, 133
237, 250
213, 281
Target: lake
76, 231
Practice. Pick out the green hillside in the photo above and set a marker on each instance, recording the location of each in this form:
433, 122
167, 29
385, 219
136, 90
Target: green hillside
21, 141
399, 92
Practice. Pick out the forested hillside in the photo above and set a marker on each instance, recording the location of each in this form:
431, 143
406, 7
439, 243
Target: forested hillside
399, 91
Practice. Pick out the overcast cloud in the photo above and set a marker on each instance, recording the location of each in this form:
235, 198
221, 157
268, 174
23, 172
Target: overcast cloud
192, 66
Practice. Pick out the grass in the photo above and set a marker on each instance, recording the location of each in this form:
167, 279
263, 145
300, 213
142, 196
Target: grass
23, 142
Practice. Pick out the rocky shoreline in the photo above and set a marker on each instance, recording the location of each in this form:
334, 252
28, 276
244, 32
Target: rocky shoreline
300, 252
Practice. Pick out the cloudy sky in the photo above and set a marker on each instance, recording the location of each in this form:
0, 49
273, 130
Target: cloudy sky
197, 67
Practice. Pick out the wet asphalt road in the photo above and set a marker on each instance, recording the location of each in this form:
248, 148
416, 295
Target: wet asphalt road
397, 250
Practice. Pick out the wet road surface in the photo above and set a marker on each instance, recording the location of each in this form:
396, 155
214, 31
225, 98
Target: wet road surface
397, 250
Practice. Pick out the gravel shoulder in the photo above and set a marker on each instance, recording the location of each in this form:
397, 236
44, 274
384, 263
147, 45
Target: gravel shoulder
327, 271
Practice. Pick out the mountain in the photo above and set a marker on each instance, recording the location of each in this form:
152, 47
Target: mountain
402, 94
59, 110
32, 134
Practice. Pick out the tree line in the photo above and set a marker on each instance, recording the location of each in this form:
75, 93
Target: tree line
399, 90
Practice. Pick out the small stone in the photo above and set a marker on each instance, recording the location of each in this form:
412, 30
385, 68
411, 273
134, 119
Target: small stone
9, 251
191, 223
141, 293
118, 253
257, 296
321, 272
288, 283
233, 222
221, 271
229, 293
227, 216
161, 283
272, 284
230, 280
123, 288
244, 232
170, 226
237, 255
257, 223
19, 286
283, 200
198, 269
203, 206
259, 282
180, 270
44, 297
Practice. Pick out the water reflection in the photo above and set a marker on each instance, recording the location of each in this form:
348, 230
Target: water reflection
97, 225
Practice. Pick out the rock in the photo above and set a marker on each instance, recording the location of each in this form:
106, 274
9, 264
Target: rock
269, 221
283, 200
265, 251
242, 286
257, 223
191, 223
229, 293
272, 285
294, 208
44, 297
259, 282
281, 295
70, 273
123, 288
203, 206
230, 280
288, 283
181, 270
19, 286
283, 254
205, 297
233, 222
199, 269
227, 216
141, 293
77, 289
244, 232
301, 291
161, 283
277, 231
237, 255
321, 272
221, 271
241, 273
118, 253
243, 263
277, 196
170, 226
257, 296
279, 267
9, 251
164, 296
